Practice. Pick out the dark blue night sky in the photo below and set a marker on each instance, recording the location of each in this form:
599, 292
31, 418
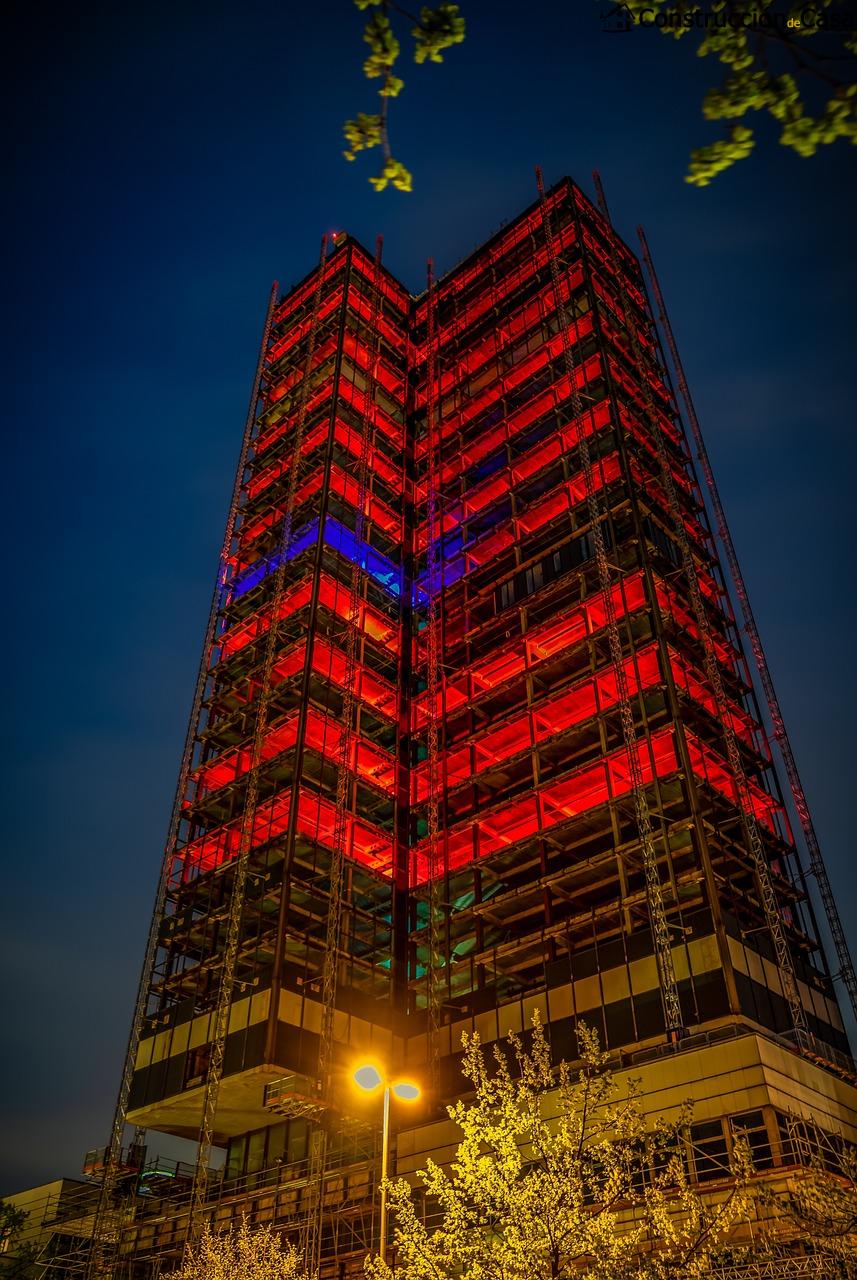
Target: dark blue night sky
170, 161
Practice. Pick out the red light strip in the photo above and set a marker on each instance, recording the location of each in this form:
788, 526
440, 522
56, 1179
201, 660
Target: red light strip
555, 503
392, 382
617, 341
574, 706
279, 346
543, 452
261, 479
585, 619
333, 595
696, 685
345, 487
303, 293
316, 821
323, 351
369, 762
516, 325
558, 502
392, 291
487, 258
508, 381
329, 662
552, 398
397, 338
279, 428
467, 316
585, 789
348, 438
541, 643
609, 299
654, 489
609, 268
671, 604
393, 430
398, 296
632, 389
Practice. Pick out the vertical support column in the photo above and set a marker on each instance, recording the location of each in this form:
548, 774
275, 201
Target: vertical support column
654, 894
105, 1239
434, 536
225, 994
691, 790
816, 860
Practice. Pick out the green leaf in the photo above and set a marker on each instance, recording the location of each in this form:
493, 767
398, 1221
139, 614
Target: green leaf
383, 44
707, 162
392, 87
362, 133
805, 135
393, 172
438, 29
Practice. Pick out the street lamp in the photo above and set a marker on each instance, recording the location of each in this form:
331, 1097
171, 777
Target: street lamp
369, 1079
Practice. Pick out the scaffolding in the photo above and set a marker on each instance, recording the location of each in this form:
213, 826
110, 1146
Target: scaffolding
584, 686
288, 802
475, 733
781, 737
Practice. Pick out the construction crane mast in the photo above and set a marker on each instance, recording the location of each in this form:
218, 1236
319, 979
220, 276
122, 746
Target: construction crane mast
433, 691
220, 1020
767, 893
105, 1234
781, 737
344, 786
654, 891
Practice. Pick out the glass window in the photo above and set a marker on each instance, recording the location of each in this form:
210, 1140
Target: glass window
297, 1144
709, 1149
235, 1157
752, 1128
276, 1144
256, 1151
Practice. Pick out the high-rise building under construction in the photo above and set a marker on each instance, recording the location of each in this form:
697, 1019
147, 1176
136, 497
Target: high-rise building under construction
475, 733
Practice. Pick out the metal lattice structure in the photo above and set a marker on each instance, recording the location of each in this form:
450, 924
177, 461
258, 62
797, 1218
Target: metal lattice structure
226, 988
344, 807
436, 958
751, 630
474, 735
712, 669
104, 1234
654, 892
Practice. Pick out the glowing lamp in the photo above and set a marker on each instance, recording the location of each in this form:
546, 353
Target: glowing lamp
368, 1078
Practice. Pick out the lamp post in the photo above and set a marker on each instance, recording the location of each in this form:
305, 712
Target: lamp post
369, 1079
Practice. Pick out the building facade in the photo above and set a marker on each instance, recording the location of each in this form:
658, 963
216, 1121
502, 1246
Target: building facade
474, 734
52, 1238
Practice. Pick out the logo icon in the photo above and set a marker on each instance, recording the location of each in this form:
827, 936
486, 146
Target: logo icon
617, 18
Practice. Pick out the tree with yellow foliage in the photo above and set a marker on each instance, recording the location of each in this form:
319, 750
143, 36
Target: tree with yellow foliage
559, 1174
245, 1254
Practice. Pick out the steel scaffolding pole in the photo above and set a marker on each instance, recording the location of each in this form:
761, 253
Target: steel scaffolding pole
654, 891
767, 893
225, 994
781, 737
101, 1250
